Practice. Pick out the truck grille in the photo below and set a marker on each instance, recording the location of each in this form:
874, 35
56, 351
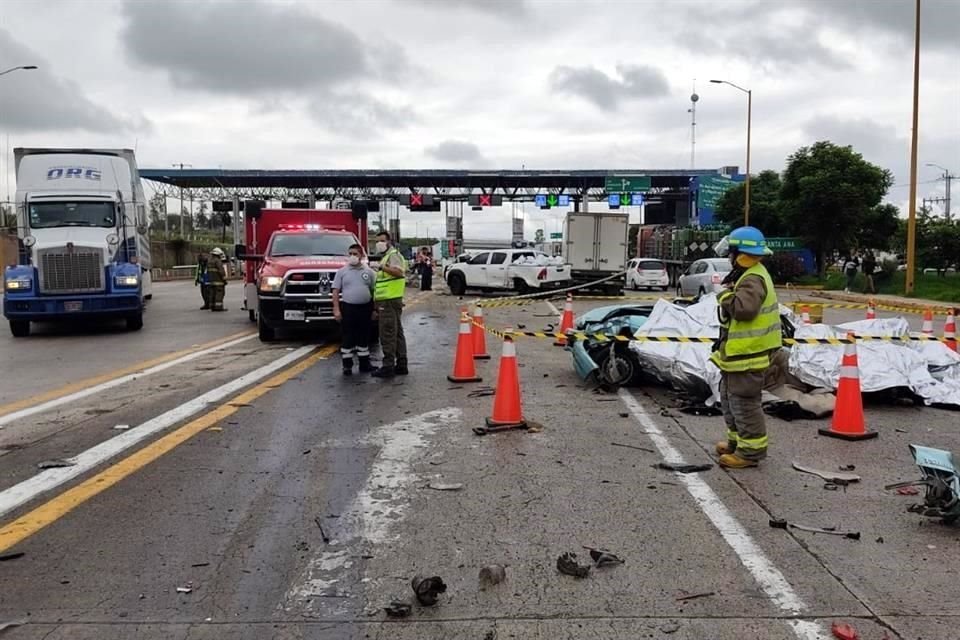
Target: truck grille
309, 283
69, 270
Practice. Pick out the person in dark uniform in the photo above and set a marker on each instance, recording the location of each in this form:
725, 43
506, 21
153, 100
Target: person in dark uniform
203, 280
426, 270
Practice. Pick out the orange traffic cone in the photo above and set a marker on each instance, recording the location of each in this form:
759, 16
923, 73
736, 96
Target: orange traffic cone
805, 314
848, 422
871, 310
479, 335
927, 327
950, 331
507, 412
566, 322
463, 367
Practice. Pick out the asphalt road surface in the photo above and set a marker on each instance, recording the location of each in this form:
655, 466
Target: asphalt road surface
244, 490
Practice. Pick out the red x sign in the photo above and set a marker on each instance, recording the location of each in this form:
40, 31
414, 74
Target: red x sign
484, 200
416, 200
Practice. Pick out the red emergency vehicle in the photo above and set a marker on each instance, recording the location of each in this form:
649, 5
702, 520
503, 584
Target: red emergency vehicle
291, 257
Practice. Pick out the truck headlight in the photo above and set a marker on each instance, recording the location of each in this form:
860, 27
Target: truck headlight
18, 284
126, 281
271, 283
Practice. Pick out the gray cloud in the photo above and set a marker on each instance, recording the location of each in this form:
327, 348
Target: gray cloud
499, 8
456, 152
246, 46
867, 137
593, 85
939, 19
37, 100
358, 114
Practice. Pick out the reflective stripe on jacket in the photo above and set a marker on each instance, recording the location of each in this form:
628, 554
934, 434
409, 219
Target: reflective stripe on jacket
747, 344
389, 287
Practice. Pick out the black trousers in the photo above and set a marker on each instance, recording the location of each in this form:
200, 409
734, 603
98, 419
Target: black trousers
357, 326
426, 278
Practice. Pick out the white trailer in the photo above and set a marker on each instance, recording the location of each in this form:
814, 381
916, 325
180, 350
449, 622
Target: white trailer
595, 247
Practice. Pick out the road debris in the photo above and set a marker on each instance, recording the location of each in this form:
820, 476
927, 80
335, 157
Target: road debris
836, 477
908, 491
121, 427
603, 558
701, 410
848, 467
670, 627
9, 624
323, 534
56, 463
844, 631
695, 596
624, 414
398, 609
492, 574
630, 446
200, 564
11, 556
440, 486
680, 467
427, 590
567, 564
186, 589
482, 392
778, 523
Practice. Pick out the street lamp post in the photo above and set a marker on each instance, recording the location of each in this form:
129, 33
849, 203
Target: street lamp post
746, 198
25, 67
912, 212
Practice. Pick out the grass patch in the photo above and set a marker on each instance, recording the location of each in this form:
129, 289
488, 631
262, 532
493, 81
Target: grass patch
929, 286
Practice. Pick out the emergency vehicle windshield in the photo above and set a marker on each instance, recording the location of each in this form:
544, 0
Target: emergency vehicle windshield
311, 244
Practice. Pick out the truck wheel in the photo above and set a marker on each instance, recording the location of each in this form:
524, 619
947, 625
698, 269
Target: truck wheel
457, 284
135, 322
252, 314
20, 328
267, 333
521, 286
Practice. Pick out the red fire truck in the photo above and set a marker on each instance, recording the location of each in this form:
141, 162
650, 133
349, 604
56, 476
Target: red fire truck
291, 257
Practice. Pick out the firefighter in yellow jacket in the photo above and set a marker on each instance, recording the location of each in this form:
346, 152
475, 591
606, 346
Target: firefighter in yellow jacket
750, 335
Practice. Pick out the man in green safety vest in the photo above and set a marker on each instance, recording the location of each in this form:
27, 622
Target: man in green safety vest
388, 300
750, 334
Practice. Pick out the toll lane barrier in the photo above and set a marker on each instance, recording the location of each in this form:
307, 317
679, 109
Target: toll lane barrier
604, 337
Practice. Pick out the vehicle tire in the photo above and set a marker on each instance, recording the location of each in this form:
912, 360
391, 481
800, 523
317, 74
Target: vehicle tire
135, 322
267, 333
20, 328
149, 296
702, 292
521, 286
252, 314
679, 291
457, 284
667, 288
636, 286
622, 369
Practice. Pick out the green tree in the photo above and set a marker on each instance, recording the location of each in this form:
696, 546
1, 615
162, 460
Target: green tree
879, 227
766, 212
156, 211
827, 195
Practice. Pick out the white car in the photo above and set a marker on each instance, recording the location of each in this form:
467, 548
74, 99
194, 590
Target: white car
520, 270
651, 274
703, 276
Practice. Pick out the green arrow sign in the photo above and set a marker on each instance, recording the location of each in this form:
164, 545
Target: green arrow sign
618, 184
552, 200
556, 235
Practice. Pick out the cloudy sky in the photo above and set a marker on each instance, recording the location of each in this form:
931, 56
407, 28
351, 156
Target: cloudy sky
480, 83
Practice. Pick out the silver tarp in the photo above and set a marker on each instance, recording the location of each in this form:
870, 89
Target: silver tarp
929, 369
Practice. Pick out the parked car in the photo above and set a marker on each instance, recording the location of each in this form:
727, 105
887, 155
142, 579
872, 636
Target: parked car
703, 276
651, 274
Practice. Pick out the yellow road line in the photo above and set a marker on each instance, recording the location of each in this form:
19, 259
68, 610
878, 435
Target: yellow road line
62, 504
90, 382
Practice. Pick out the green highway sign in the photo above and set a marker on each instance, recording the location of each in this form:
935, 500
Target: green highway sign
784, 244
556, 235
552, 199
620, 184
710, 189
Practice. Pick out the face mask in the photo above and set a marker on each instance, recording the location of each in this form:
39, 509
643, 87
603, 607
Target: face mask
354, 260
381, 247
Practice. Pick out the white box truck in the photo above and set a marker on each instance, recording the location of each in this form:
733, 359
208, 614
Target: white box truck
83, 238
595, 247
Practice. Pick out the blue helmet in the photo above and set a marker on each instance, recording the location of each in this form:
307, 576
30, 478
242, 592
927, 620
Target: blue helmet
749, 240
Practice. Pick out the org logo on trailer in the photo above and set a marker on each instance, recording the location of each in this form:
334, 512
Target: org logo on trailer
85, 173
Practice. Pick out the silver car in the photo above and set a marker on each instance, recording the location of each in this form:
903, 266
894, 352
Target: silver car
703, 276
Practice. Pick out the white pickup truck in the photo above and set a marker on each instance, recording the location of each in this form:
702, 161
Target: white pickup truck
520, 270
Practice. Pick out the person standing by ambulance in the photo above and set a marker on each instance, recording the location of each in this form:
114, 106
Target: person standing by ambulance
217, 273
353, 287
750, 335
388, 297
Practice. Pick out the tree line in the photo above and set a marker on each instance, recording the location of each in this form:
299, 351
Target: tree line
831, 198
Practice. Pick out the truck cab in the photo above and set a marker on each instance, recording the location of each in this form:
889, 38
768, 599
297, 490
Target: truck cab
292, 256
82, 235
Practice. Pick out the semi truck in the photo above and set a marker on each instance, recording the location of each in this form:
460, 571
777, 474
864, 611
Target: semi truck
83, 243
596, 249
291, 257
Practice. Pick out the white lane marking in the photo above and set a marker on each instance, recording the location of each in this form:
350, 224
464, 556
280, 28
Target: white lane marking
766, 574
378, 507
20, 494
116, 382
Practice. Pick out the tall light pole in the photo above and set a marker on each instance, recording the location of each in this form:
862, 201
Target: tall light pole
912, 217
946, 196
24, 67
746, 198
181, 165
